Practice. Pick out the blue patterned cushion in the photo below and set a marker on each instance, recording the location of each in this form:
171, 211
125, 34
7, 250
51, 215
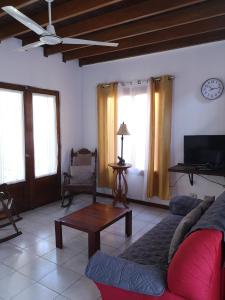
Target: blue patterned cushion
121, 273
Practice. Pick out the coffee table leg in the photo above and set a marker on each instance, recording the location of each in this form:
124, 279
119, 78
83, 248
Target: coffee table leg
93, 243
58, 235
129, 223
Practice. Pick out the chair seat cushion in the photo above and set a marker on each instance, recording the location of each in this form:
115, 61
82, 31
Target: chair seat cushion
81, 175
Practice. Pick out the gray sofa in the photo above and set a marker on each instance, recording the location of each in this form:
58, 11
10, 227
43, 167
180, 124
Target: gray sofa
146, 260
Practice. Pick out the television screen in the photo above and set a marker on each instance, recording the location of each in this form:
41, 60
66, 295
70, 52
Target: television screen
204, 149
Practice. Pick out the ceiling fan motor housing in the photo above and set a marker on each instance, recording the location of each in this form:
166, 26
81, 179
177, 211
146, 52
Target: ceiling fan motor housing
50, 39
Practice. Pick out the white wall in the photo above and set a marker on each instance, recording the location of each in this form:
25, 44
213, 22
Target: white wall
192, 114
32, 68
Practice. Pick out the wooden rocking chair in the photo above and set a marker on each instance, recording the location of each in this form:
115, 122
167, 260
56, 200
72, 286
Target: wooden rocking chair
7, 212
81, 177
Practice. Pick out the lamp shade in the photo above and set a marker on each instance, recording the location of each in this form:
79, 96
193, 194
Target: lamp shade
123, 130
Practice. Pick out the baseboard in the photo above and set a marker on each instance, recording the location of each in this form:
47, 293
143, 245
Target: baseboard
141, 202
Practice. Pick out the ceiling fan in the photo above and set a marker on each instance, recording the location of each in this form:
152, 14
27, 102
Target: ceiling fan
48, 36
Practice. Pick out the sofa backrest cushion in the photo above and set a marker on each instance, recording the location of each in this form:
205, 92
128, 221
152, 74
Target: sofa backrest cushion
182, 205
214, 217
205, 204
183, 228
195, 270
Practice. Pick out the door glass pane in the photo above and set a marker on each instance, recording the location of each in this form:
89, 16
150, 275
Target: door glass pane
45, 135
12, 149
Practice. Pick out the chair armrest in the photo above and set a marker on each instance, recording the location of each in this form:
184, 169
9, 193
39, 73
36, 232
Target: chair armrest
127, 275
65, 174
66, 178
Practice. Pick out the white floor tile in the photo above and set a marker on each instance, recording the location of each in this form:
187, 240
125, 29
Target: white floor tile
60, 279
113, 240
24, 240
84, 289
78, 263
60, 297
77, 245
5, 271
38, 268
18, 260
42, 247
60, 256
7, 250
41, 232
13, 284
36, 292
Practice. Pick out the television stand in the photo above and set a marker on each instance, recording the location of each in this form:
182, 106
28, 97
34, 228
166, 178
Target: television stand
198, 170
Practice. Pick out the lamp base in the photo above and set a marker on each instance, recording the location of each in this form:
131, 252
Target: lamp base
121, 161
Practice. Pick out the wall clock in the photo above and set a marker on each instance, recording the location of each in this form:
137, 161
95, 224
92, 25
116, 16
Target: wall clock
212, 88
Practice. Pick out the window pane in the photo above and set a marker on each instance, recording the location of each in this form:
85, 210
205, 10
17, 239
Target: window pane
45, 135
133, 110
12, 155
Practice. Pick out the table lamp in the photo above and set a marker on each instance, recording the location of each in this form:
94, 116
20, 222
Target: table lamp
122, 131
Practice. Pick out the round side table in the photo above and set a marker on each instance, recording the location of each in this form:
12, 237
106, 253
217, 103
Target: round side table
120, 186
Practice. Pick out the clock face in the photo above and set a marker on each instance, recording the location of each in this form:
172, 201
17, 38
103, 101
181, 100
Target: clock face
212, 88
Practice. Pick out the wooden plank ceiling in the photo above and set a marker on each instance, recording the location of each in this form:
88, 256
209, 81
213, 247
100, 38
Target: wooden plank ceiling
139, 26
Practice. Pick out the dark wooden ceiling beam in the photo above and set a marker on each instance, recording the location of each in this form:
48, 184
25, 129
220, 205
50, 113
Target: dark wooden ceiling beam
164, 46
186, 30
17, 3
66, 10
127, 14
182, 16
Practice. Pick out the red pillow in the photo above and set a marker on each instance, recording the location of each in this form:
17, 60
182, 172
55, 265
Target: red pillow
195, 270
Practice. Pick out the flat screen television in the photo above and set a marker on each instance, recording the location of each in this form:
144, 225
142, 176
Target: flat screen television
204, 149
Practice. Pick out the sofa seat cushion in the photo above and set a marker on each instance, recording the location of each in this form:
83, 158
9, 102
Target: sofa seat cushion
153, 247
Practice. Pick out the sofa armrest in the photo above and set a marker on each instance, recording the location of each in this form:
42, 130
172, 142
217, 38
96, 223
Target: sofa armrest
127, 275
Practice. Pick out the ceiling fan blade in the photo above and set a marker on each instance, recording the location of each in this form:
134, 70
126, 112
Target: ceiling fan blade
31, 46
87, 42
16, 14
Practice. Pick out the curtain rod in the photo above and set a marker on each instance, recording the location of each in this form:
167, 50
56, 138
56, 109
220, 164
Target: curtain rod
155, 78
158, 78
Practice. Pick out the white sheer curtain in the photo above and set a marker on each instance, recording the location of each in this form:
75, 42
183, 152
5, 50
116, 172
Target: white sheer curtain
134, 111
12, 149
45, 135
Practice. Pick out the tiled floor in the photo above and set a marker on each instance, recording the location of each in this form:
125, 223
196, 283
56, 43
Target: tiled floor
32, 268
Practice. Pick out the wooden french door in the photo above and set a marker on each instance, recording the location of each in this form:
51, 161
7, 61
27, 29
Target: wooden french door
30, 149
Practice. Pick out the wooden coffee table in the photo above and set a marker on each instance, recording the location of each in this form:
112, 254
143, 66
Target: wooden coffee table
93, 219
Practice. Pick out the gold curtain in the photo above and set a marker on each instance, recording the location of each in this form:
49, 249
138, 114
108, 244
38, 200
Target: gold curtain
107, 128
160, 138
